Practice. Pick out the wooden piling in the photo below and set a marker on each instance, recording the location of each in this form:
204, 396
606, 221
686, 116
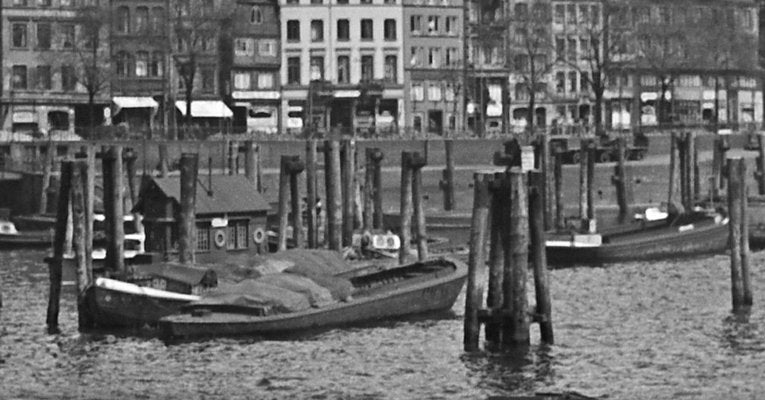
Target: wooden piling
583, 163
368, 189
760, 174
516, 330
558, 179
405, 227
672, 162
233, 157
79, 235
310, 185
348, 175
419, 209
252, 163
447, 184
333, 194
295, 168
620, 180
164, 160
682, 159
55, 265
696, 170
500, 197
284, 191
476, 260
543, 312
187, 217
46, 174
377, 157
115, 249
746, 282
734, 225
591, 158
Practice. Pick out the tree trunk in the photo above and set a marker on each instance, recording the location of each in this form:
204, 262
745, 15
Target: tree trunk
597, 112
92, 113
531, 114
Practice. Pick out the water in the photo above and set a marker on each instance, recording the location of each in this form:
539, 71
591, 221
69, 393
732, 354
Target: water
635, 330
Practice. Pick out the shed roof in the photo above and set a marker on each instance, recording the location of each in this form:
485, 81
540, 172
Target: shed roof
230, 194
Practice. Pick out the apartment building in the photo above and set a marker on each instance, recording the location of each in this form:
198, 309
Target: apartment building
46, 52
253, 59
342, 66
434, 71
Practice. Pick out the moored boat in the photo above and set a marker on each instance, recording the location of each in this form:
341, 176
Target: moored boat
682, 236
10, 237
376, 294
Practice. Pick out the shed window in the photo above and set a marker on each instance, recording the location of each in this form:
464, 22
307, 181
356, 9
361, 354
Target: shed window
203, 238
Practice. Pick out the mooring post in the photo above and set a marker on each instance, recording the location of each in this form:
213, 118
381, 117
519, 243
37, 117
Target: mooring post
417, 162
90, 198
377, 157
696, 171
187, 217
115, 250
543, 312
672, 162
405, 210
499, 198
476, 260
310, 186
584, 155
734, 225
447, 183
517, 326
333, 193
558, 176
79, 236
620, 180
295, 168
46, 173
284, 191
348, 175
129, 157
681, 163
591, 158
55, 265
746, 282
759, 175
233, 157
368, 189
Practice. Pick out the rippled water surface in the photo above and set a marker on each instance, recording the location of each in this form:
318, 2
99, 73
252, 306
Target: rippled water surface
636, 330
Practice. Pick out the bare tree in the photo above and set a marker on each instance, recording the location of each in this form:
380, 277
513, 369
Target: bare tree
195, 26
531, 50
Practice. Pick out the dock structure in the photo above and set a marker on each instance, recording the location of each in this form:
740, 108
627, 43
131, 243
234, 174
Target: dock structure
508, 199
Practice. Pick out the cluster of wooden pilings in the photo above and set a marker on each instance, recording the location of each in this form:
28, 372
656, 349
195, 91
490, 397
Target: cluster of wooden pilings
508, 216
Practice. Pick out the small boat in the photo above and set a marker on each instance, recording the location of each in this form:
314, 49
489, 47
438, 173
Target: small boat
686, 235
154, 291
377, 294
10, 237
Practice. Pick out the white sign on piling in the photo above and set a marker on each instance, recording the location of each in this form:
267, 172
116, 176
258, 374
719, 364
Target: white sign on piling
527, 158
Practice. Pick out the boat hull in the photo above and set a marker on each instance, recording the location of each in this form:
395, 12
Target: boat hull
432, 295
26, 239
648, 245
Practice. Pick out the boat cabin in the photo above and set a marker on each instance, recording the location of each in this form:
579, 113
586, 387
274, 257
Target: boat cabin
230, 216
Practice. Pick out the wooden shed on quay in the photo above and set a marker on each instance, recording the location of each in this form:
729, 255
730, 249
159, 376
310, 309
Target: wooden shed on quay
230, 216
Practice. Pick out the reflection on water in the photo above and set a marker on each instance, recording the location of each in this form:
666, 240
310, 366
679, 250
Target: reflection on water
634, 330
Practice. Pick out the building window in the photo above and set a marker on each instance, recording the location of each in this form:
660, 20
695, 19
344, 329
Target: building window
414, 57
317, 1
242, 80
367, 29
343, 30
208, 79
559, 14
267, 48
434, 92
43, 77
417, 123
418, 94
19, 37
265, 80
343, 69
141, 63
389, 28
415, 22
123, 62
367, 67
19, 3
43, 3
43, 35
391, 68
571, 50
434, 57
157, 61
157, 18
449, 94
560, 48
452, 56
123, 20
67, 36
256, 15
244, 47
317, 30
521, 11
451, 25
68, 80
293, 70
293, 30
317, 68
141, 19
560, 82
242, 234
572, 80
571, 14
19, 77
203, 237
432, 24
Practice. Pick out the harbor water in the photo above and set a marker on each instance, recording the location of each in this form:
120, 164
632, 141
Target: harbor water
647, 330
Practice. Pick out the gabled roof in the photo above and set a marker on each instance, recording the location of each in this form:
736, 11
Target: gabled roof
230, 194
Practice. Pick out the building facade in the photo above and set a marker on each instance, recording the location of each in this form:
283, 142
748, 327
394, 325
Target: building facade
434, 70
342, 66
253, 59
45, 53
